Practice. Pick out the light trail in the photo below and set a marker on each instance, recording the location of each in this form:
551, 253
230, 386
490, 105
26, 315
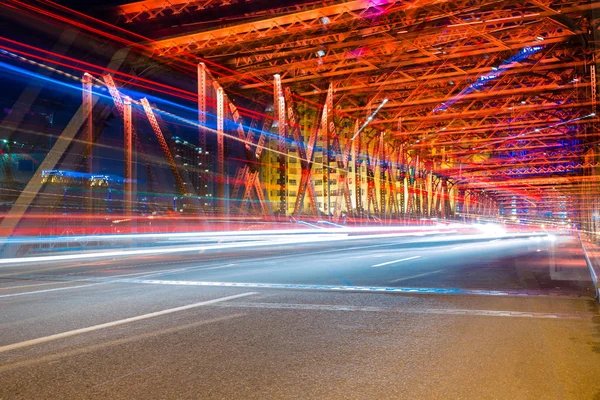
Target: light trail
252, 114
491, 76
146, 49
289, 140
537, 130
250, 233
138, 104
370, 118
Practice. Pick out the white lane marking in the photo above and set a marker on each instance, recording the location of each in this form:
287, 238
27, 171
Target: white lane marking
37, 284
48, 290
171, 271
254, 260
373, 289
395, 261
75, 332
466, 246
219, 266
112, 343
416, 276
403, 310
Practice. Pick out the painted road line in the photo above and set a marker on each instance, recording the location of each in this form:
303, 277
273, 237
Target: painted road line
417, 276
266, 259
48, 290
404, 310
371, 289
395, 261
105, 345
75, 332
466, 246
218, 267
37, 284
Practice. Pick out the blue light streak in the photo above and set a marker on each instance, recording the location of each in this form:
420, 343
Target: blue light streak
490, 76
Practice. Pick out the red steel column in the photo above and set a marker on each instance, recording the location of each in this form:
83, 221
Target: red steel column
202, 105
88, 132
279, 107
220, 150
127, 147
202, 95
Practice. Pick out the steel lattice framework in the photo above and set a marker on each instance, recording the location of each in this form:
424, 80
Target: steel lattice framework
492, 95
386, 108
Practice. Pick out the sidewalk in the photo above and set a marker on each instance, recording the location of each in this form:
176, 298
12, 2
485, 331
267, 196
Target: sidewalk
591, 251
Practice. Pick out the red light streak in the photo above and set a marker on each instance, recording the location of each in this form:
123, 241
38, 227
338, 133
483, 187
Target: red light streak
186, 95
142, 47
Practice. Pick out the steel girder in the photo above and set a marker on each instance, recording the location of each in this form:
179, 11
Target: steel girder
463, 94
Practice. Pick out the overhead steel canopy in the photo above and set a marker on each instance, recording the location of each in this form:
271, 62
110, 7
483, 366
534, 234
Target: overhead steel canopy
497, 91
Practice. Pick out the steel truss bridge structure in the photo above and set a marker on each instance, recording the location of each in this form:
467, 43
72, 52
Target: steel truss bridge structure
384, 110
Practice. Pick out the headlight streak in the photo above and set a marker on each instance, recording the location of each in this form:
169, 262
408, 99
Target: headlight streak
218, 234
266, 239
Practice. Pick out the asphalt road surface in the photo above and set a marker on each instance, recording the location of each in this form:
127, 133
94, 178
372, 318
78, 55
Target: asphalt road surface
384, 317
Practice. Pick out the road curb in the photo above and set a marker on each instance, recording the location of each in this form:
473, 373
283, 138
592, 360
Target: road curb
594, 268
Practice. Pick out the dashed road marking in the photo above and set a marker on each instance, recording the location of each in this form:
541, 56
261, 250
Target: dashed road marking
349, 288
47, 290
395, 261
416, 276
404, 310
37, 284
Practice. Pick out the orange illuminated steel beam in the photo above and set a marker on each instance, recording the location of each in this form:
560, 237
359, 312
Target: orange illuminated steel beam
123, 105
343, 162
528, 182
88, 131
128, 159
476, 95
164, 146
118, 101
279, 108
157, 8
202, 108
247, 174
220, 148
270, 24
305, 152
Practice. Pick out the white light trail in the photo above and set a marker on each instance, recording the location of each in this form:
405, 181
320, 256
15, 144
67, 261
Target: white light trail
369, 119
